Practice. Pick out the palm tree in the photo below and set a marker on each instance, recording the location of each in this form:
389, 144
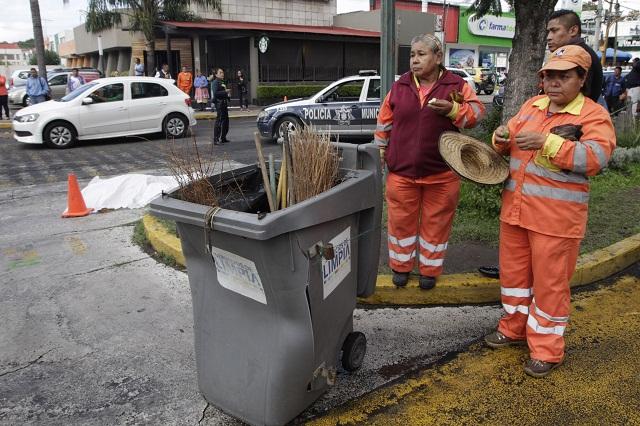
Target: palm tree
144, 16
529, 44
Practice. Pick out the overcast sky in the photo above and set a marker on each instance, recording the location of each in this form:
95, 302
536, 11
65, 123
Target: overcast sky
15, 16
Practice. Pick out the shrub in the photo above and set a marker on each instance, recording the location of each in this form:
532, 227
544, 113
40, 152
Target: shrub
483, 199
291, 92
623, 157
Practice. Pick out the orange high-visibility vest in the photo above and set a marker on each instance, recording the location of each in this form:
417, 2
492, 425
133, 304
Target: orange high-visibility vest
548, 189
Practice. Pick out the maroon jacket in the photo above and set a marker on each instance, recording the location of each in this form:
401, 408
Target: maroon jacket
413, 147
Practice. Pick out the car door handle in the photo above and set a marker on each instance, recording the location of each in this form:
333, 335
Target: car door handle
163, 103
123, 108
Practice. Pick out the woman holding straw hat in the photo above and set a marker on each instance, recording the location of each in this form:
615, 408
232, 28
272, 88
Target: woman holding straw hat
555, 142
421, 190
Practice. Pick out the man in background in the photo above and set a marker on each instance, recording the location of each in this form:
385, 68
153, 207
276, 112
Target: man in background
37, 87
615, 91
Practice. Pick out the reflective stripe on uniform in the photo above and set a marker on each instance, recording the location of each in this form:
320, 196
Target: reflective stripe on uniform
534, 169
431, 262
555, 193
548, 317
401, 257
380, 141
383, 127
580, 158
532, 322
476, 110
510, 185
405, 242
433, 248
514, 163
512, 309
516, 292
597, 149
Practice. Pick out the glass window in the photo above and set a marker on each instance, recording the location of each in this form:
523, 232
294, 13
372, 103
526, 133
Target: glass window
58, 80
346, 92
79, 91
373, 93
147, 90
108, 93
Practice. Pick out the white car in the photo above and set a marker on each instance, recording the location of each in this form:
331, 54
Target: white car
465, 76
107, 108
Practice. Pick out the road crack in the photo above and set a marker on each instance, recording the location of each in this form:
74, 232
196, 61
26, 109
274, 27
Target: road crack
203, 413
115, 265
29, 364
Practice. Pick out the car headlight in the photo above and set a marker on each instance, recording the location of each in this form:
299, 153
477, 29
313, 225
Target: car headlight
27, 118
264, 114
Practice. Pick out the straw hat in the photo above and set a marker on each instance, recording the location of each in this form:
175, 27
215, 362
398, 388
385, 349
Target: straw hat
473, 159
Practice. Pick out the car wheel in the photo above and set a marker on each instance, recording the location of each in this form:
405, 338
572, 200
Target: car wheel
489, 90
59, 135
478, 90
285, 127
25, 101
175, 126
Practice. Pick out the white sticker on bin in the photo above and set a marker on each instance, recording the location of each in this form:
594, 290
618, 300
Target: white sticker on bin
238, 274
335, 270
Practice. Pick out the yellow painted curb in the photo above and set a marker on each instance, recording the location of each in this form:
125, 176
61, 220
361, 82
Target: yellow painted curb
454, 289
161, 240
6, 126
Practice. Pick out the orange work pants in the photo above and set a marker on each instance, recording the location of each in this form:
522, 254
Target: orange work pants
420, 213
535, 270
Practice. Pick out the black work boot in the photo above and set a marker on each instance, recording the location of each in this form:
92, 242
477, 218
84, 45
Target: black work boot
400, 279
538, 368
427, 283
498, 340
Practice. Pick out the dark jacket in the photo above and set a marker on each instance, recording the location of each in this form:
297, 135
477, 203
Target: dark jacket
594, 76
218, 91
633, 78
413, 148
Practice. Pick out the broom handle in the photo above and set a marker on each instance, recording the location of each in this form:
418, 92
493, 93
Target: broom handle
263, 169
290, 177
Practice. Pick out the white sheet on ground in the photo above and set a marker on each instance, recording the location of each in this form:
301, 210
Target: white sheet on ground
129, 191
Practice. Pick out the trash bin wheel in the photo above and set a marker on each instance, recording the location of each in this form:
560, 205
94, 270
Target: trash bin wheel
353, 351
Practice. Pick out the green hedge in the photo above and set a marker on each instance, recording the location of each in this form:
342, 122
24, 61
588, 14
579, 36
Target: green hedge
291, 92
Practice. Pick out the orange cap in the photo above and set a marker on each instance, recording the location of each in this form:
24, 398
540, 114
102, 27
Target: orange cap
568, 57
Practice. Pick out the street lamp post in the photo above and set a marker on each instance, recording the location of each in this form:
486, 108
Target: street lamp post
387, 47
100, 63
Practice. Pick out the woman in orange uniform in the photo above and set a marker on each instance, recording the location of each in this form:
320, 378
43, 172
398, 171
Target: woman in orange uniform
185, 81
421, 190
555, 142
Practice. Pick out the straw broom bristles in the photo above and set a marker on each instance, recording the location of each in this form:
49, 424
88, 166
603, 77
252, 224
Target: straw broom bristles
315, 163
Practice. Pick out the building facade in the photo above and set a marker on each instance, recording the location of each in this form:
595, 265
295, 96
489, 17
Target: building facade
12, 54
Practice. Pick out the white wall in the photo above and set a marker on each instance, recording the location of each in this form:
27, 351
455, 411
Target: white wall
298, 12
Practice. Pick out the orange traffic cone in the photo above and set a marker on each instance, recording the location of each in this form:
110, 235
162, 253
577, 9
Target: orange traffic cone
75, 203
285, 99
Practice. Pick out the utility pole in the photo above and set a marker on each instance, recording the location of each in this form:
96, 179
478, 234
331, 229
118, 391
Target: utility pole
387, 47
38, 37
603, 59
596, 43
615, 37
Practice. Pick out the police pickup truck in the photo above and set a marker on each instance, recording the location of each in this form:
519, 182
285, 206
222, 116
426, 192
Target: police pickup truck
345, 108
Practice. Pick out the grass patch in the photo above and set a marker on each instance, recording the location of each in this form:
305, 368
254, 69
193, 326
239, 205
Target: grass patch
140, 239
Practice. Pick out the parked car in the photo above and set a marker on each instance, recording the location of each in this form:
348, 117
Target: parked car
18, 78
57, 83
106, 108
347, 107
498, 98
465, 75
484, 78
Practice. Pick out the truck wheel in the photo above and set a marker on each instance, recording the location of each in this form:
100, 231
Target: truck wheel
353, 350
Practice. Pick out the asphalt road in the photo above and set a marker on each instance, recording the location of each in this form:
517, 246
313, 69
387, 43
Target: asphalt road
22, 164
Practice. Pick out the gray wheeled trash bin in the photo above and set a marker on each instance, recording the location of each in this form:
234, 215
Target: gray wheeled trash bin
273, 295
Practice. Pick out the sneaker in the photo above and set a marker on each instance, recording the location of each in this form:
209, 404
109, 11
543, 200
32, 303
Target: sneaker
490, 271
538, 368
216, 142
225, 141
498, 340
400, 279
427, 283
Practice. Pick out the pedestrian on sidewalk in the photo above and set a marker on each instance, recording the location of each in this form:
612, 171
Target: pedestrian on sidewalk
220, 97
554, 143
242, 91
421, 190
632, 82
164, 72
564, 29
4, 97
74, 81
615, 91
202, 93
185, 81
138, 68
37, 87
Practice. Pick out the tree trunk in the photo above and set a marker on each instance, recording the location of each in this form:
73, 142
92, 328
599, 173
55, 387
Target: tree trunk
38, 37
151, 57
529, 44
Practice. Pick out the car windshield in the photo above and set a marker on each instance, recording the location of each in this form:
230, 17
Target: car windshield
79, 91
